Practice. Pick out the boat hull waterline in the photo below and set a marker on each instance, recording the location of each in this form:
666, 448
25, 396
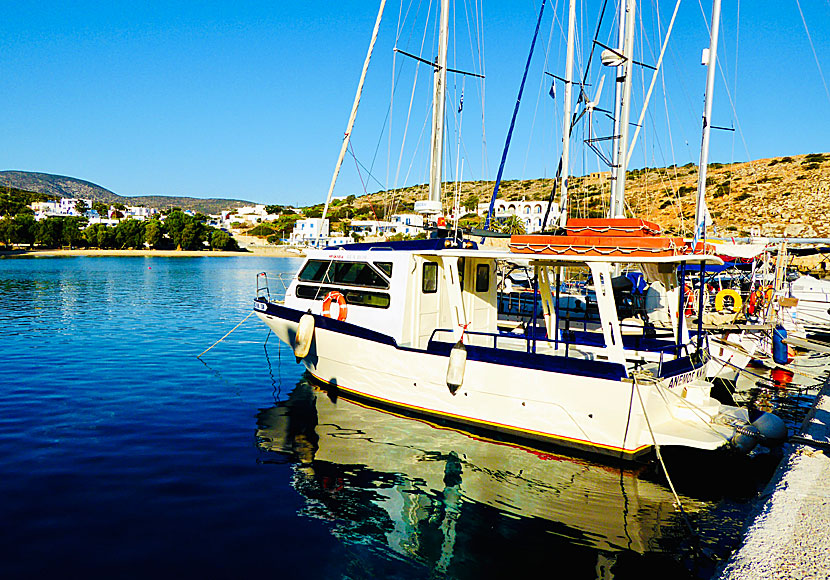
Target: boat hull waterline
593, 413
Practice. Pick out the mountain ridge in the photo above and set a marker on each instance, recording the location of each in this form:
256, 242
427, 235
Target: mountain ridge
73, 187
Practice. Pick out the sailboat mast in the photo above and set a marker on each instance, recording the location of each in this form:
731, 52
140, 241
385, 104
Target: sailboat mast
618, 194
566, 120
350, 125
433, 205
710, 60
618, 92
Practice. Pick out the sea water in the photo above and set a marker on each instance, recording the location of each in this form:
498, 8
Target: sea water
122, 454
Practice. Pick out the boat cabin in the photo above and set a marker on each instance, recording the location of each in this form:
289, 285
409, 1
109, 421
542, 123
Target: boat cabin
426, 295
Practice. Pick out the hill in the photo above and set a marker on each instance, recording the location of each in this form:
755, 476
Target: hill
782, 196
63, 186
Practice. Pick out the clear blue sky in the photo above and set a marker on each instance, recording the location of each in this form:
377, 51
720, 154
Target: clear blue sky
250, 99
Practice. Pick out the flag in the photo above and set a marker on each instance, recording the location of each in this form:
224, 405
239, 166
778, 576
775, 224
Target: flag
461, 102
552, 91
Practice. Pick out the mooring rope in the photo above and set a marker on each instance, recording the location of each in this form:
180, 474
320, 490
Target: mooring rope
228, 334
636, 379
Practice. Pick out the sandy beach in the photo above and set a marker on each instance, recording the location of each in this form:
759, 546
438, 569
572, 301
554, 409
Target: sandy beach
274, 251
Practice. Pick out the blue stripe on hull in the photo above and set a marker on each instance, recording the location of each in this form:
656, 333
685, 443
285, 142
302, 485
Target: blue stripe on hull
507, 358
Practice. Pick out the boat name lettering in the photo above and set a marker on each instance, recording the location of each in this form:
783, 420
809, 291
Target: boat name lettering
260, 306
687, 377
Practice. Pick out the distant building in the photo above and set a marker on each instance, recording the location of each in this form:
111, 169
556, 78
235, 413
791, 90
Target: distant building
250, 215
139, 212
61, 207
404, 224
314, 232
408, 224
65, 207
371, 227
532, 213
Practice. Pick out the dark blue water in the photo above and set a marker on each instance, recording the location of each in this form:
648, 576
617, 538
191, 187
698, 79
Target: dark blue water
123, 455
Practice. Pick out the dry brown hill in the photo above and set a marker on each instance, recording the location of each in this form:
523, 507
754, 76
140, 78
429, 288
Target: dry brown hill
782, 196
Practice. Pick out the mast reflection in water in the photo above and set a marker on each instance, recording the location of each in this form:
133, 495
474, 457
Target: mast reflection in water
464, 506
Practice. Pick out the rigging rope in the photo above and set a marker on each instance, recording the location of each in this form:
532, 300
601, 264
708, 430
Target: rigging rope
513, 120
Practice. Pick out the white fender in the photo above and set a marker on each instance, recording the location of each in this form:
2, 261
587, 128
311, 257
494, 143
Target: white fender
305, 334
455, 368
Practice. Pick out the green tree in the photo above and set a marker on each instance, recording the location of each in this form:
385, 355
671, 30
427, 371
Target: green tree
314, 212
24, 229
471, 203
72, 231
101, 209
220, 240
193, 236
510, 225
49, 232
129, 234
105, 237
15, 201
81, 207
274, 209
6, 225
175, 223
154, 233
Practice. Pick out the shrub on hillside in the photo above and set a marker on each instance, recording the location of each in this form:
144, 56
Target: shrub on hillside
261, 231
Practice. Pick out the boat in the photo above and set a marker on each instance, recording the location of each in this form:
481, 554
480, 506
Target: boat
413, 326
812, 309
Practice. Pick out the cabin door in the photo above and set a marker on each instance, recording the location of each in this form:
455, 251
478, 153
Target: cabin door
428, 301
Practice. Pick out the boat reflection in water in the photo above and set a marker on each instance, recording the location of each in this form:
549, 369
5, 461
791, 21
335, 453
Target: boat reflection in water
463, 505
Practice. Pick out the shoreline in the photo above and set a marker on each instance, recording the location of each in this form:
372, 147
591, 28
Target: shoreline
275, 252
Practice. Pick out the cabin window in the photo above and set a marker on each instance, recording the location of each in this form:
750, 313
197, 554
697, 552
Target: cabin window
482, 278
429, 284
385, 267
352, 296
358, 274
314, 270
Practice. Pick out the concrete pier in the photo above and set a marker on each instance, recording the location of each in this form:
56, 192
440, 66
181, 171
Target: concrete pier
790, 535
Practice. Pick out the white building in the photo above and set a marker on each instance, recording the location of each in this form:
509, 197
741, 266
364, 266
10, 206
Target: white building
530, 212
65, 207
61, 207
408, 224
308, 229
251, 215
371, 227
305, 233
139, 212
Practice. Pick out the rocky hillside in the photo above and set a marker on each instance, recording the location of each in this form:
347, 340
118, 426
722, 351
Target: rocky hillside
63, 186
783, 196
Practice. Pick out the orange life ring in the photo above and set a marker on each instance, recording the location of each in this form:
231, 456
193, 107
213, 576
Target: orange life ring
342, 307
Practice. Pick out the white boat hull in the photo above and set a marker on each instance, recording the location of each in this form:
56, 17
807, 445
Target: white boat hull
600, 414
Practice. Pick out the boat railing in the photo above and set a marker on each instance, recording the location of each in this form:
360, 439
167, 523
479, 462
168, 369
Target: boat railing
262, 288
496, 336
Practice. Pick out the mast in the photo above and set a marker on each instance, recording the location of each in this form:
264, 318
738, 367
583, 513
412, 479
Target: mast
615, 135
433, 204
352, 116
710, 60
566, 118
620, 164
